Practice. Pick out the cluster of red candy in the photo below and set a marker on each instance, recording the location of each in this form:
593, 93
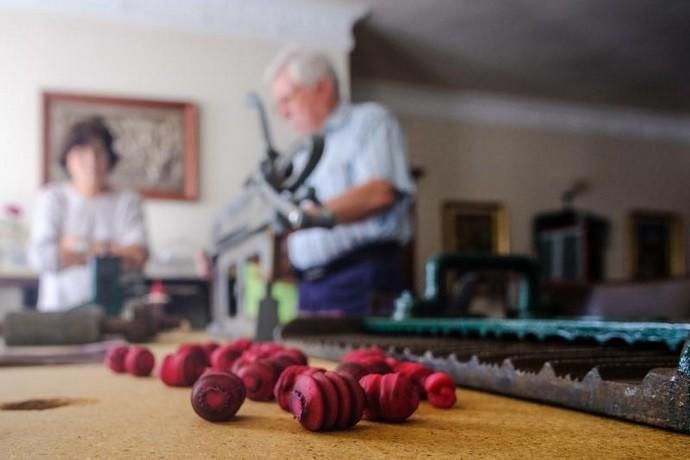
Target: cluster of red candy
367, 384
138, 361
394, 388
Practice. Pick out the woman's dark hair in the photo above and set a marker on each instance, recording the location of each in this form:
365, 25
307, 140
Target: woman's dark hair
84, 132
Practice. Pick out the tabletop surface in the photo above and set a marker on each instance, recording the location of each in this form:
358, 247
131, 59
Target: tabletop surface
119, 416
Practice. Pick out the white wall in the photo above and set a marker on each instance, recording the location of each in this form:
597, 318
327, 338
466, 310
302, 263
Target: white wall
49, 51
526, 169
523, 153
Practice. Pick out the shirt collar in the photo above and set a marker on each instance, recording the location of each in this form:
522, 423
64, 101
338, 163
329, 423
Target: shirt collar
337, 118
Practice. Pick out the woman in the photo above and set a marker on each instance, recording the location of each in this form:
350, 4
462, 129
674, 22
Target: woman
82, 217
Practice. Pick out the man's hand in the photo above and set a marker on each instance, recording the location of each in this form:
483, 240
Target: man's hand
318, 217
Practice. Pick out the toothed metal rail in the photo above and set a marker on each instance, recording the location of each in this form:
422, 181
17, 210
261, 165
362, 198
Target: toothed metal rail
635, 374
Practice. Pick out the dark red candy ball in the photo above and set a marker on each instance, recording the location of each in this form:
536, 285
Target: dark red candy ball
196, 349
209, 348
362, 353
307, 403
139, 361
392, 362
358, 399
242, 343
417, 373
330, 398
259, 379
183, 368
115, 358
374, 365
297, 355
440, 390
354, 370
224, 357
390, 397
283, 360
322, 401
344, 400
286, 382
217, 395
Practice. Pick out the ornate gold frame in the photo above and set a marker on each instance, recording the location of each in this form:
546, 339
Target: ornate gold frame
677, 256
188, 189
451, 209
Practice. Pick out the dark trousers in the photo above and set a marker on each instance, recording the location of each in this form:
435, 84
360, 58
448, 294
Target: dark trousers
366, 284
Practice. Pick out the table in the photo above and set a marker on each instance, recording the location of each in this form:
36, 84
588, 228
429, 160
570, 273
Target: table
119, 416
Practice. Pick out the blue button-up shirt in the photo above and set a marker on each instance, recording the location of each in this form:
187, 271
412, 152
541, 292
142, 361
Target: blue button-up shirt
363, 142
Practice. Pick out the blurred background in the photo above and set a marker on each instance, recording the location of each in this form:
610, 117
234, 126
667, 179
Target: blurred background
556, 130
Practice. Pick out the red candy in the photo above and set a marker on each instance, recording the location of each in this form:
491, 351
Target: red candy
440, 389
325, 401
417, 373
343, 399
115, 358
183, 368
373, 360
392, 362
139, 361
330, 398
224, 357
297, 355
259, 379
262, 350
354, 370
282, 360
307, 403
363, 353
390, 397
358, 399
375, 365
286, 383
209, 348
217, 395
195, 348
242, 343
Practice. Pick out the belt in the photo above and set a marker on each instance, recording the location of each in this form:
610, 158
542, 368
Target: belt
374, 250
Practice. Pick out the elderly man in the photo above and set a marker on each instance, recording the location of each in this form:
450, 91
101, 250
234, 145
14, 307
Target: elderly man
362, 179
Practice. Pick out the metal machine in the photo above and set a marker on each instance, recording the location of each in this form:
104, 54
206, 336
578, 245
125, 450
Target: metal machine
636, 371
267, 206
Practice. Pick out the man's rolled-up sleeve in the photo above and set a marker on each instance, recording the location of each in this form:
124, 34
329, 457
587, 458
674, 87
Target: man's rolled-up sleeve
383, 155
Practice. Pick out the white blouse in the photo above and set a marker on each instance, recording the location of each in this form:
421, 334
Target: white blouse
115, 217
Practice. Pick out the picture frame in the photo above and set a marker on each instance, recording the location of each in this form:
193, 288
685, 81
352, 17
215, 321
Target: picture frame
474, 228
656, 244
157, 141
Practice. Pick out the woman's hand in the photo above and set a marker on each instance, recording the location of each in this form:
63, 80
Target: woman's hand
133, 256
72, 251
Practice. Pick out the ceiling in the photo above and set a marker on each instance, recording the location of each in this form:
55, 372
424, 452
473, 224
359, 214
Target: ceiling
620, 52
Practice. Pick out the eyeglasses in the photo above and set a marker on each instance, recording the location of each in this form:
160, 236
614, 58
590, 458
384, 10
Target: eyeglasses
289, 97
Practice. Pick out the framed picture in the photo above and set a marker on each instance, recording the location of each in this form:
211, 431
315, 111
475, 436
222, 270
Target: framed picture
157, 141
474, 228
657, 248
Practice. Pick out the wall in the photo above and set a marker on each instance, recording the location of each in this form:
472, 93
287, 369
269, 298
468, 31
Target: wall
49, 51
526, 169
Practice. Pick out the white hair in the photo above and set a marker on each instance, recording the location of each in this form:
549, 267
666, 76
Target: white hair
305, 67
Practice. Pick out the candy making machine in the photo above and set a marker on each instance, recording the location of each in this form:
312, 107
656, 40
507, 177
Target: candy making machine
635, 371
